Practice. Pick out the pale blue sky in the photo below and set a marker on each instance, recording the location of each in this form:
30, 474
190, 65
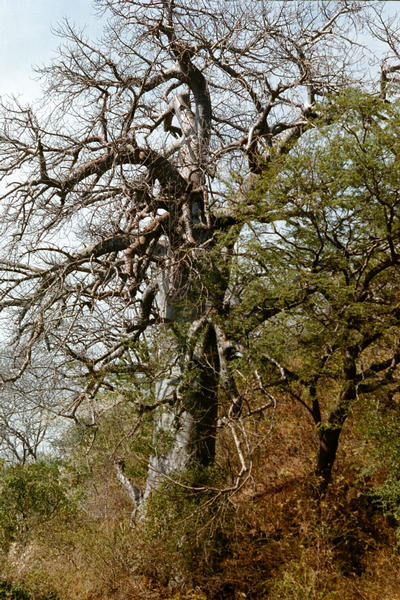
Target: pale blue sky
26, 38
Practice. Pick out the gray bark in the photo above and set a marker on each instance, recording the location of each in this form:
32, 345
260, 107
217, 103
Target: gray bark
187, 424
133, 491
141, 199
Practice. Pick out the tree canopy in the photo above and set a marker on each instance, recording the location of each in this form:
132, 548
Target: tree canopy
326, 268
125, 200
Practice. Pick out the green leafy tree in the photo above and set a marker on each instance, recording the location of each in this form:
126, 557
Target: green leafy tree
326, 268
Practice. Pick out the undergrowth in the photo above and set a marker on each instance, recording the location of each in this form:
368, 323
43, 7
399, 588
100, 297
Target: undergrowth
275, 539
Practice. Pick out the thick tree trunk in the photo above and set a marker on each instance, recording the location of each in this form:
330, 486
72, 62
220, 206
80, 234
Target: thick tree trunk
329, 433
328, 445
185, 428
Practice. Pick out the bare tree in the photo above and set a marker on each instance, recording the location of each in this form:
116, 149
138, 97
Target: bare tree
29, 408
117, 193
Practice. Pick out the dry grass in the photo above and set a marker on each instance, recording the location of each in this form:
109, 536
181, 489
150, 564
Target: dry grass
276, 539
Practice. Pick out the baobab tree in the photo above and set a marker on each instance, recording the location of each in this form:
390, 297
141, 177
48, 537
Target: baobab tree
125, 192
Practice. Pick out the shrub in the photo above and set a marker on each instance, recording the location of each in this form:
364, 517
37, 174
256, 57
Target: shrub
30, 495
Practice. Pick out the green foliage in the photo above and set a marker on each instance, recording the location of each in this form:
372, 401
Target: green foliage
300, 582
13, 591
313, 279
31, 495
117, 435
382, 432
9, 591
185, 528
315, 285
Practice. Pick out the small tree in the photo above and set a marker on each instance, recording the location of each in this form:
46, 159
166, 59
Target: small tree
29, 411
330, 259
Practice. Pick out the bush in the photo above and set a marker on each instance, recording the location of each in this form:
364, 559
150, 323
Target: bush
383, 433
30, 495
186, 530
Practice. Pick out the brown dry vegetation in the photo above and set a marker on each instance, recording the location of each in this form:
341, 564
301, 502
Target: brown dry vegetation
275, 539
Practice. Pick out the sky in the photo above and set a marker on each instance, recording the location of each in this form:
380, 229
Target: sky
26, 39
